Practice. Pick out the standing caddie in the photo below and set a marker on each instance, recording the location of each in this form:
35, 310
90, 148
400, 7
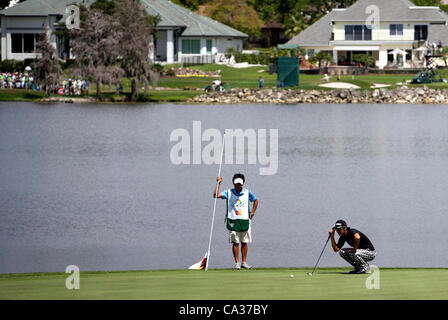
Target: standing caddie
239, 216
362, 250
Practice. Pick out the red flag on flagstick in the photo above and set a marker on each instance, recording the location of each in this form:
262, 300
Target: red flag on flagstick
201, 264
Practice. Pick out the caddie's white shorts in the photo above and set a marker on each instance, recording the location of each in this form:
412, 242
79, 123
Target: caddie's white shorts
240, 236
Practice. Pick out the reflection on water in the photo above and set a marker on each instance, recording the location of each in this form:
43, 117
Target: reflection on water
94, 186
349, 147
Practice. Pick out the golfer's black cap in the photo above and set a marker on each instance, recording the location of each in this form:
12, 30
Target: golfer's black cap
340, 224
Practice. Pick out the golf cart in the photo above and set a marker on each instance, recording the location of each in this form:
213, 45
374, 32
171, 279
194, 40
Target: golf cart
429, 74
217, 86
423, 77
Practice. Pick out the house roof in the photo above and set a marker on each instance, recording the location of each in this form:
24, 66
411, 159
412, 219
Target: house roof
173, 15
319, 33
392, 10
41, 8
438, 32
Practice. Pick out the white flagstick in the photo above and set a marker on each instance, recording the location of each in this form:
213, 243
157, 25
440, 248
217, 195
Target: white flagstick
214, 206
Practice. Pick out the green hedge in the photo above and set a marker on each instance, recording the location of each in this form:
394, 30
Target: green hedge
261, 58
12, 66
442, 74
393, 71
15, 65
19, 66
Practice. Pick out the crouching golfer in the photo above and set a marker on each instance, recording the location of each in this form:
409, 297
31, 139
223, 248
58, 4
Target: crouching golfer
238, 216
362, 251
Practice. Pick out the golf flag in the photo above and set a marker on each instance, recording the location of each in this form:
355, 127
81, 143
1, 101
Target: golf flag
201, 264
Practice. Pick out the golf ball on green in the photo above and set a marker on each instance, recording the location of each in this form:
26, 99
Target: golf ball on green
291, 276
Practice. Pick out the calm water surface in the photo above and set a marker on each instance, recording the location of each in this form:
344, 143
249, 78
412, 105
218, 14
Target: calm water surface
93, 185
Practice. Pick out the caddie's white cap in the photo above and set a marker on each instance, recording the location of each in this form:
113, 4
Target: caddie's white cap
238, 180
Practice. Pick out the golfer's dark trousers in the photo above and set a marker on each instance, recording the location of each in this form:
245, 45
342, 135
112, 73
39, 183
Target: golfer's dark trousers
359, 258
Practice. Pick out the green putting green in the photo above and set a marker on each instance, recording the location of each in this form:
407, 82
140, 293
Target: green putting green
214, 284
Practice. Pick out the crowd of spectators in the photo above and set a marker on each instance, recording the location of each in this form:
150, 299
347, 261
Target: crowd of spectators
73, 87
16, 80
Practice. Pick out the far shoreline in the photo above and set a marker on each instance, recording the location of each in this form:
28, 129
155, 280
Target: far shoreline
235, 96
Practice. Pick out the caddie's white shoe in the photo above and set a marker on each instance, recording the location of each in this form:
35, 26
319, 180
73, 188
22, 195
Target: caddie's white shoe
237, 266
246, 266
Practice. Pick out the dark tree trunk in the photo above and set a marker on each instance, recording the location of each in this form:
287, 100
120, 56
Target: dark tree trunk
98, 90
134, 89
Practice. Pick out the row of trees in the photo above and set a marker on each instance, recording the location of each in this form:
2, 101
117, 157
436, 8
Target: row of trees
113, 41
295, 15
249, 15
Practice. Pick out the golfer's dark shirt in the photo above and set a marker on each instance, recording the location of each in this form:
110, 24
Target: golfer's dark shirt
364, 243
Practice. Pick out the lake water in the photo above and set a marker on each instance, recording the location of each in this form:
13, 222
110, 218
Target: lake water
94, 185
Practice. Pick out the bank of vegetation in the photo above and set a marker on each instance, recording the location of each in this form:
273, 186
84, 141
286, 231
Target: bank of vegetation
111, 53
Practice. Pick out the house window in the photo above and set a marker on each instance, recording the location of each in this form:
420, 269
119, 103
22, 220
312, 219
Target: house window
367, 33
396, 29
191, 46
23, 42
29, 43
17, 43
358, 32
208, 44
310, 52
420, 32
349, 33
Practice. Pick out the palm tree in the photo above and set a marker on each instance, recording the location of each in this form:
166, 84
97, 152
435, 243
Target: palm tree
294, 26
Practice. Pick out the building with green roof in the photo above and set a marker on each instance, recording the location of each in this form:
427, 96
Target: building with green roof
182, 35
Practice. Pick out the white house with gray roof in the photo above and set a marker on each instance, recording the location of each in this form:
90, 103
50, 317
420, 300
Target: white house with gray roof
22, 23
394, 32
181, 33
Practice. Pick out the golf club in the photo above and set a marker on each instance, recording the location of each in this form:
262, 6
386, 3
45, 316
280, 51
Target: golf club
311, 273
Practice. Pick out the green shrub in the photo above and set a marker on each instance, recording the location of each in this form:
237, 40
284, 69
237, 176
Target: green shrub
157, 67
442, 74
365, 60
261, 58
12, 66
171, 73
319, 57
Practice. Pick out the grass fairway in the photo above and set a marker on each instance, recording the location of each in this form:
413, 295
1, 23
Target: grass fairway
267, 284
21, 95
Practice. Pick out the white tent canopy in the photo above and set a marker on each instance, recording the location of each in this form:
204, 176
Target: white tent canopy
398, 51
